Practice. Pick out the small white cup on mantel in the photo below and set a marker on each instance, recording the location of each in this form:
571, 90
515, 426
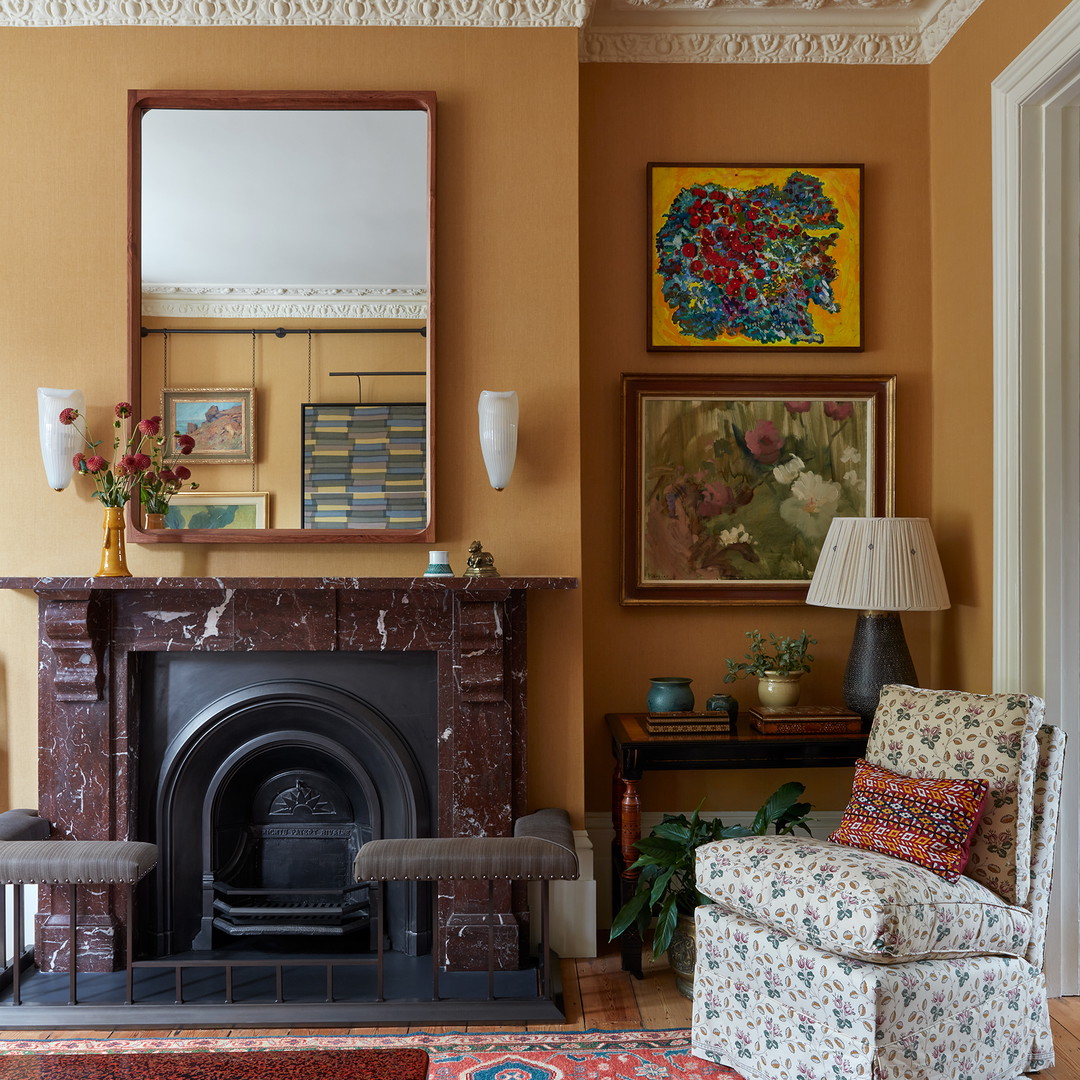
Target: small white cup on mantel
438, 564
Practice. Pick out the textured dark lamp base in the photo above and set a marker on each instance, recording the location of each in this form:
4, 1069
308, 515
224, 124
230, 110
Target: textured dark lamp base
879, 655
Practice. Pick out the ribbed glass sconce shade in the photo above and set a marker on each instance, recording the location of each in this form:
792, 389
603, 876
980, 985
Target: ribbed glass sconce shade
498, 410
879, 564
59, 442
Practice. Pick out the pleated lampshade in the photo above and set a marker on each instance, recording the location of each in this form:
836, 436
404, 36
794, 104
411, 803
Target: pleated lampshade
879, 564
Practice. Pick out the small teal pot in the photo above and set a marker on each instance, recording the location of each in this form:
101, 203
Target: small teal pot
670, 693
724, 703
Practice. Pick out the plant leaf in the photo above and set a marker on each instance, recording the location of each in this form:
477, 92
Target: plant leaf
659, 885
628, 914
666, 919
776, 805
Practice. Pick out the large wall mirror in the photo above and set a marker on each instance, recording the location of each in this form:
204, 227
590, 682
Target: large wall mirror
282, 310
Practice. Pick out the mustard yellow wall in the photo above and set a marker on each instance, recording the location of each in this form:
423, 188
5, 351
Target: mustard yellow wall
635, 113
507, 316
962, 478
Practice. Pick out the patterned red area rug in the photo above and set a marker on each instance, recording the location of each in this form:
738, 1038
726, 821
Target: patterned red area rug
358, 1064
531, 1055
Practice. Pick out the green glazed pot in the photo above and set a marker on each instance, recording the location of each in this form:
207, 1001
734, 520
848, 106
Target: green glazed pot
670, 693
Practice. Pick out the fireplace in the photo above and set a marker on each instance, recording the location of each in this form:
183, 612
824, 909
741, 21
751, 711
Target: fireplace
260, 776
227, 719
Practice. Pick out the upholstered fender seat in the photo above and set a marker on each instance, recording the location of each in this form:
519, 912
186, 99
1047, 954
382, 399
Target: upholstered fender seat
883, 909
541, 849
76, 862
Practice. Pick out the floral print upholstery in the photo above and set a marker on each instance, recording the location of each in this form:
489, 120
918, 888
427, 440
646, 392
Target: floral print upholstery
774, 998
945, 733
770, 1006
860, 904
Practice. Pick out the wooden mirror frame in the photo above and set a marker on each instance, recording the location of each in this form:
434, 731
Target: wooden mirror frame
140, 102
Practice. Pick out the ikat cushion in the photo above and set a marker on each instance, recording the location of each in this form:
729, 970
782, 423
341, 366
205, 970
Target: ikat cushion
948, 733
926, 822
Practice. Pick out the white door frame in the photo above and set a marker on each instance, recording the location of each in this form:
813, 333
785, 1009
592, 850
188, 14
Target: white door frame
1036, 231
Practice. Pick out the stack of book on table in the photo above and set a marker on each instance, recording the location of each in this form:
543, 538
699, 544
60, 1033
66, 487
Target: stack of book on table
689, 723
804, 720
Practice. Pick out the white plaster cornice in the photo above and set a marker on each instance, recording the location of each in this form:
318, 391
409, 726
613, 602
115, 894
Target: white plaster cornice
764, 47
456, 13
613, 31
772, 31
284, 301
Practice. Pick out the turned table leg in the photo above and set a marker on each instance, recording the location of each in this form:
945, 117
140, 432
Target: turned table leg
626, 817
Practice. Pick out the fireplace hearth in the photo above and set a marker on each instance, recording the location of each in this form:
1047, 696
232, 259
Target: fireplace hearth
291, 742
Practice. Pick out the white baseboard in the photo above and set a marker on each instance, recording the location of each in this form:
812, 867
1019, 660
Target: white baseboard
573, 906
602, 833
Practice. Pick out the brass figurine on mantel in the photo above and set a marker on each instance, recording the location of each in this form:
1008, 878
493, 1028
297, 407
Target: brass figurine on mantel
480, 562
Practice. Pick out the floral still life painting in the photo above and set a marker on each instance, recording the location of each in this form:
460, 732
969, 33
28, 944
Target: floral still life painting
732, 481
755, 256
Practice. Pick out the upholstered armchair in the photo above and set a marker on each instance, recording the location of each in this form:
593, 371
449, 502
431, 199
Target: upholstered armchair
819, 960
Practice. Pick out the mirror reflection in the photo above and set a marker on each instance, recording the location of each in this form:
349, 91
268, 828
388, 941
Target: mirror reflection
284, 312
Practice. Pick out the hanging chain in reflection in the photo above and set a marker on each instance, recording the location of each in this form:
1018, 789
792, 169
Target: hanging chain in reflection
252, 417
308, 398
165, 365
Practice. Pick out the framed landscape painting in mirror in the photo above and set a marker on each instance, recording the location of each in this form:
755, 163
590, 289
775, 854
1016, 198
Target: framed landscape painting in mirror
279, 241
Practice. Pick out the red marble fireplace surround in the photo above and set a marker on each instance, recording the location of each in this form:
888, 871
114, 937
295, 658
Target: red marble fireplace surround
92, 630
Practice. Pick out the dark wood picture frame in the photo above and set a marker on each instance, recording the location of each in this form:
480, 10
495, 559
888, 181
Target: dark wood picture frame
754, 257
715, 493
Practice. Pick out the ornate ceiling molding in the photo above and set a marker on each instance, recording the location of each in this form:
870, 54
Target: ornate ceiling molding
698, 47
772, 31
284, 302
488, 13
614, 31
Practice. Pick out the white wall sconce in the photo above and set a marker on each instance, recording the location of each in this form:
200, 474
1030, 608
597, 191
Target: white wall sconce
498, 411
59, 442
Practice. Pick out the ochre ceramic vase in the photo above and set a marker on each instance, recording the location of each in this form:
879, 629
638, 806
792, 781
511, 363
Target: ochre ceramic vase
154, 521
670, 693
778, 691
113, 555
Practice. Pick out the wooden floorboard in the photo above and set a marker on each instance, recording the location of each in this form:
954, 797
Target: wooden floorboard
597, 993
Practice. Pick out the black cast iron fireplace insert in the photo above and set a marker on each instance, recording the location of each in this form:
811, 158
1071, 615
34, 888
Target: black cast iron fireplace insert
260, 778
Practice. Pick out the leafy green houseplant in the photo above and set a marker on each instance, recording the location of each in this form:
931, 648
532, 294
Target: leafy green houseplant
666, 886
780, 656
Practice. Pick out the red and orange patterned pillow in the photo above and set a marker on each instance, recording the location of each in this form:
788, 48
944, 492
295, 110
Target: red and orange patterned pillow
926, 822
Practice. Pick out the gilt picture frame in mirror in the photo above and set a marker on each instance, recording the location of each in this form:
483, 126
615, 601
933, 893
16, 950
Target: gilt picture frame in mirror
278, 240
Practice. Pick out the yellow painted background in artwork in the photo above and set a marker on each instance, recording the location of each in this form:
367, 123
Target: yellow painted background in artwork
840, 183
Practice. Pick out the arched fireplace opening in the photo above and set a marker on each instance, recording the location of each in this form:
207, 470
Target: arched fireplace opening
262, 797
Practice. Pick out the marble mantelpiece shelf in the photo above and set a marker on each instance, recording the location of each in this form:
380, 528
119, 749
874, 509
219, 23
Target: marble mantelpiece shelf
92, 632
270, 584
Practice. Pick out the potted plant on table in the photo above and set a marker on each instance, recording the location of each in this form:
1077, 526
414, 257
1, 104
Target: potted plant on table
666, 884
778, 665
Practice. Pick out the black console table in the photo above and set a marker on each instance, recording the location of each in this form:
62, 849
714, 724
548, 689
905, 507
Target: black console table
637, 752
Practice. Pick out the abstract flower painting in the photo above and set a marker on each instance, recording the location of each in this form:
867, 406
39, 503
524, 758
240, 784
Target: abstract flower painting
755, 257
732, 481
